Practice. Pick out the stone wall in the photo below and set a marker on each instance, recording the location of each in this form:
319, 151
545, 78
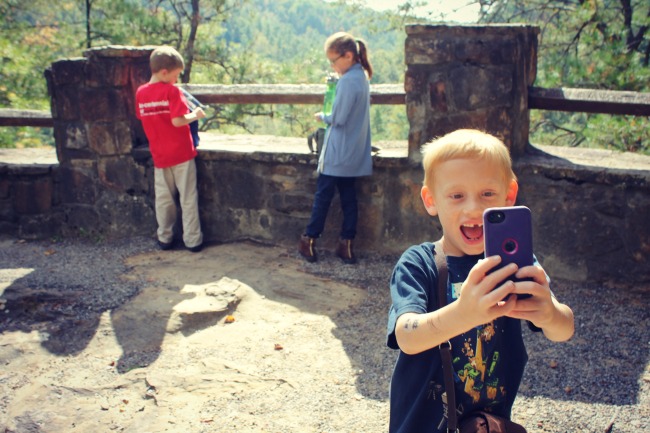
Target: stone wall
590, 208
29, 199
590, 215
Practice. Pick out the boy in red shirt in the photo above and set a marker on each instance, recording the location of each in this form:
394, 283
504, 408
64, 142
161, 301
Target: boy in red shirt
165, 117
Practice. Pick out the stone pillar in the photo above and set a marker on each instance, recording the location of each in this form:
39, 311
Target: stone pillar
469, 77
103, 188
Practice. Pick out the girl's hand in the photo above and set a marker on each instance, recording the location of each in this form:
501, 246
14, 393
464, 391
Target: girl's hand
319, 116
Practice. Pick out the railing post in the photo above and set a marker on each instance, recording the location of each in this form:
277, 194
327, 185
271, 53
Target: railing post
102, 188
469, 77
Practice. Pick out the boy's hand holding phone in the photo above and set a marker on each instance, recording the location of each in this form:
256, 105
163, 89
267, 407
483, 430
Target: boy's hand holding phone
507, 232
485, 294
539, 306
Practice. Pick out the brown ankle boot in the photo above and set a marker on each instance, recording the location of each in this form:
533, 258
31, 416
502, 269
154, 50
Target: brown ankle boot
344, 251
307, 248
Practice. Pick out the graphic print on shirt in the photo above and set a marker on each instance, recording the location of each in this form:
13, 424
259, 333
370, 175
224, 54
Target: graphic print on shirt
153, 108
476, 361
477, 366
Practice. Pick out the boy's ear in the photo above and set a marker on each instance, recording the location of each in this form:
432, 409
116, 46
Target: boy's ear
511, 195
429, 201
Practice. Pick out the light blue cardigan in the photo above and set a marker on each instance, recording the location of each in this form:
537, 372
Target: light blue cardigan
346, 149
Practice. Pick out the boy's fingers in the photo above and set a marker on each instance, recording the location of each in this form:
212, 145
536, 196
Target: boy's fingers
495, 277
501, 294
478, 273
534, 272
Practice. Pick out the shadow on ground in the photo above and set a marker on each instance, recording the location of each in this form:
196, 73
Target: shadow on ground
610, 344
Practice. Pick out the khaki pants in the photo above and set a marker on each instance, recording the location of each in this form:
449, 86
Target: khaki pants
168, 183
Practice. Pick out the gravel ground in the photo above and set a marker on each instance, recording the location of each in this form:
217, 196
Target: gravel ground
597, 382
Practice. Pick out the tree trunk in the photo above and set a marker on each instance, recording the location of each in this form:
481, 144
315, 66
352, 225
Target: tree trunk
189, 50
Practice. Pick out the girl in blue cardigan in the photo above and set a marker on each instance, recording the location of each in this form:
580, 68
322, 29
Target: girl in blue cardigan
346, 153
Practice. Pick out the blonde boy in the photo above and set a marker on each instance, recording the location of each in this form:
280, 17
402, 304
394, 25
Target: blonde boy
165, 117
466, 172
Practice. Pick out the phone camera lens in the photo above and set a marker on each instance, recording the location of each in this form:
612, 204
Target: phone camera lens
496, 217
510, 246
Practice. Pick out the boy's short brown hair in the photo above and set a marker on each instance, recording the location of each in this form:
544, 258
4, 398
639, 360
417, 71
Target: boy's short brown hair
466, 144
165, 57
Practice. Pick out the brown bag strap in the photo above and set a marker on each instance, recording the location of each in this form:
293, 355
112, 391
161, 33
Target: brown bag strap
445, 349
495, 424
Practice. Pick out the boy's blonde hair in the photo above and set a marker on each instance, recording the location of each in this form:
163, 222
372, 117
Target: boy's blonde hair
466, 144
165, 57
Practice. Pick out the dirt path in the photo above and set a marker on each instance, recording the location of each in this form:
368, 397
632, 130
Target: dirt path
281, 365
93, 342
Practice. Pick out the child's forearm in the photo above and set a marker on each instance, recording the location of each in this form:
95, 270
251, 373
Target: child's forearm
416, 333
184, 120
561, 327
188, 118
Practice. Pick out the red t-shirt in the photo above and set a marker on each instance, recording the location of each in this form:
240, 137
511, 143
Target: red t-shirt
156, 104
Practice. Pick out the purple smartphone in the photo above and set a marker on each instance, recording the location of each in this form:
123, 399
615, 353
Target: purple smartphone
508, 233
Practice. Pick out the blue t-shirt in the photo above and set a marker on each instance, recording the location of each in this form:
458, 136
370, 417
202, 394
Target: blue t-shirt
488, 360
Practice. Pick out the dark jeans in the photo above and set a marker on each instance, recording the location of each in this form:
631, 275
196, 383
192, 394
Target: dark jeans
325, 188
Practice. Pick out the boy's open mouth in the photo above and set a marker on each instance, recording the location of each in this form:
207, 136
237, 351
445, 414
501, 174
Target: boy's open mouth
472, 232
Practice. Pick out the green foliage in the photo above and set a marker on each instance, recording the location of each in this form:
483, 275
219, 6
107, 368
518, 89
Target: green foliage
22, 137
599, 44
31, 37
283, 42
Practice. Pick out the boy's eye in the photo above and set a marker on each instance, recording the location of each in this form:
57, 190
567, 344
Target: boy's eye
489, 193
456, 196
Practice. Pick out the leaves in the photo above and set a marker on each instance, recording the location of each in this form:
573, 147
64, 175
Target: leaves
600, 44
589, 44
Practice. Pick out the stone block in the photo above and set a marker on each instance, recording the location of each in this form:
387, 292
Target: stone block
102, 104
33, 197
107, 72
7, 210
140, 73
439, 126
109, 138
68, 71
78, 182
65, 103
123, 215
417, 79
499, 123
242, 188
70, 135
79, 219
476, 88
438, 96
486, 50
39, 226
5, 186
9, 227
123, 175
292, 203
427, 51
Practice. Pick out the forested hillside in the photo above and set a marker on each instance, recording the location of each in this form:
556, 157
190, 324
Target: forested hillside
600, 44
